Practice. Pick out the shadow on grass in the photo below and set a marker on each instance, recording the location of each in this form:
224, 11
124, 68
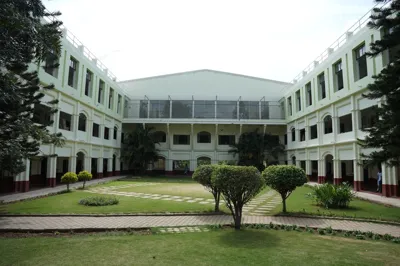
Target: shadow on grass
247, 238
161, 179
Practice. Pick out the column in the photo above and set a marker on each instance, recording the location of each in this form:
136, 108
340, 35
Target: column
22, 179
75, 120
87, 163
72, 164
51, 171
117, 166
100, 167
395, 182
337, 174
386, 175
308, 169
321, 171
298, 163
109, 167
357, 183
335, 122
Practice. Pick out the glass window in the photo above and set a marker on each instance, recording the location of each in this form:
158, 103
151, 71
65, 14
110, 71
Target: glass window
204, 109
159, 109
182, 109
203, 137
227, 109
181, 140
226, 139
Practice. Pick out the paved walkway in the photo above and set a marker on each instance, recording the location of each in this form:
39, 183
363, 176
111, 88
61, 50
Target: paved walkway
51, 190
372, 197
59, 223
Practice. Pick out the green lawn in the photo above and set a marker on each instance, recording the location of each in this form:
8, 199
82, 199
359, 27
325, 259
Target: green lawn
68, 203
298, 202
222, 247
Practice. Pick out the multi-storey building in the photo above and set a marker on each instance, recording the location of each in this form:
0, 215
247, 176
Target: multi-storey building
319, 117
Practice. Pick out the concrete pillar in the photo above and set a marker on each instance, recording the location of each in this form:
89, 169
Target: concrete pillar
308, 169
87, 163
357, 183
109, 167
321, 171
117, 166
72, 164
22, 179
100, 167
337, 173
386, 175
298, 163
395, 182
335, 124
51, 171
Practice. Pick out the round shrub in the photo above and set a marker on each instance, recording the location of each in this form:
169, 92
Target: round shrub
202, 175
84, 176
99, 201
69, 178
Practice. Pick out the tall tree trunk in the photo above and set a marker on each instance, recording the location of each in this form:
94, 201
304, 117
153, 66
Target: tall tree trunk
67, 186
283, 203
238, 217
84, 181
217, 196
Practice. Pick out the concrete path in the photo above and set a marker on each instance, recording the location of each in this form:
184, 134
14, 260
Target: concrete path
372, 197
51, 190
58, 223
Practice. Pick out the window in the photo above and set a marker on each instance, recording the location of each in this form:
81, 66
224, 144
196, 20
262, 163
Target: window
298, 99
73, 72
285, 139
302, 134
101, 92
308, 94
290, 108
345, 123
106, 133
42, 114
226, 139
65, 121
160, 137
96, 130
203, 137
51, 65
181, 140
204, 109
369, 117
111, 99
115, 132
321, 86
328, 124
293, 134
313, 132
88, 83
338, 79
82, 123
119, 104
361, 62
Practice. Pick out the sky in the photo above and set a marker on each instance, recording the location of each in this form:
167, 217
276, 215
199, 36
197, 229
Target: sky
268, 39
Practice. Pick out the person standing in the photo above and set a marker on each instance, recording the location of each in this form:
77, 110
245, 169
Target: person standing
379, 181
186, 169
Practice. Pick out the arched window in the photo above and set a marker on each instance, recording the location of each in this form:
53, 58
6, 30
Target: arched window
82, 122
294, 160
203, 161
115, 132
328, 124
293, 134
160, 136
203, 137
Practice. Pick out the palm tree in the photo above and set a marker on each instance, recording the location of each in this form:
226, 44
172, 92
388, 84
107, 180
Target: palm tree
139, 148
254, 148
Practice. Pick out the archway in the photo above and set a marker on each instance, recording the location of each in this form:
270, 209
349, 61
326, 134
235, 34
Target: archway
80, 162
329, 171
328, 124
203, 161
294, 160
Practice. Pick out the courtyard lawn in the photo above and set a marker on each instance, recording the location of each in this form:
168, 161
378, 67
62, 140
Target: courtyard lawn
68, 203
299, 203
222, 247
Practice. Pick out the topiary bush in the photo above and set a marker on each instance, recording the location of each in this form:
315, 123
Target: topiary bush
69, 178
238, 185
284, 179
84, 176
202, 175
99, 201
333, 196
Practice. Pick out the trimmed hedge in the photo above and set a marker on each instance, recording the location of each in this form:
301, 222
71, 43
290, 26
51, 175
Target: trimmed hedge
202, 175
69, 178
84, 176
99, 201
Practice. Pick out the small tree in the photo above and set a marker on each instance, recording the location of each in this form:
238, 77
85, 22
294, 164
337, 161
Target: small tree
84, 176
203, 175
69, 178
284, 179
238, 185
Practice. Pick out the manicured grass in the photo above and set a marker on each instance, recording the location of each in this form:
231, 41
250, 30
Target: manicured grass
68, 203
299, 203
222, 247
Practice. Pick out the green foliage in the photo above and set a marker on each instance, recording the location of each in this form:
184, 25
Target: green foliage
203, 175
25, 39
333, 196
139, 148
227, 162
254, 148
99, 201
329, 230
284, 179
321, 231
387, 237
69, 178
361, 237
369, 234
238, 185
84, 176
384, 135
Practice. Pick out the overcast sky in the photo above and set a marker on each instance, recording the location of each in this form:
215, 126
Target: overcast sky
269, 39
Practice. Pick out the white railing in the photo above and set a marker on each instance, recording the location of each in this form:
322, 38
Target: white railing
68, 35
361, 23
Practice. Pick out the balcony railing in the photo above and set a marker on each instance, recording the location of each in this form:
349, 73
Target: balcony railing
204, 109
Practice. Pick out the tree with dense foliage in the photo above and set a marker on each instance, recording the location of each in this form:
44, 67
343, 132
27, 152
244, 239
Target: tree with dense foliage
203, 175
139, 148
84, 176
284, 179
238, 185
384, 135
69, 178
25, 40
254, 148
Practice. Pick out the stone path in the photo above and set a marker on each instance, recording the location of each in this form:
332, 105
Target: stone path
261, 205
58, 223
51, 190
177, 230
